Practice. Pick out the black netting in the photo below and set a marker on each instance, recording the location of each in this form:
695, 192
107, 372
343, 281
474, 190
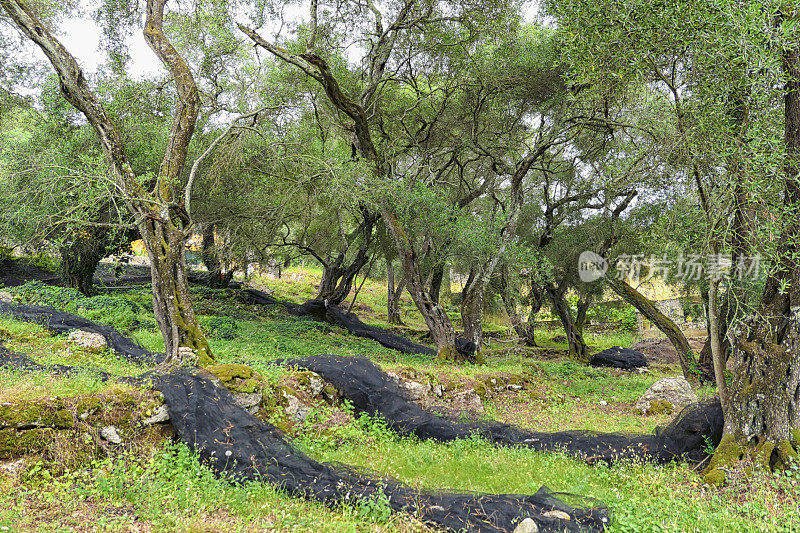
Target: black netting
618, 357
238, 445
332, 314
61, 322
22, 362
14, 360
372, 391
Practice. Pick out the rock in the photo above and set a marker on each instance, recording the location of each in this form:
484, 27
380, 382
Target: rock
160, 415
676, 391
561, 515
315, 384
6, 297
394, 377
187, 356
514, 386
527, 526
93, 342
248, 400
603, 402
468, 400
438, 390
414, 390
110, 434
296, 409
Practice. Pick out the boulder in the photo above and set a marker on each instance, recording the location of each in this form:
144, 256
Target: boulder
6, 297
86, 339
676, 391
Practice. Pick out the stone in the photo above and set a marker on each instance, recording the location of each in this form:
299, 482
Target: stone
676, 391
316, 385
561, 515
296, 409
6, 297
160, 415
187, 356
603, 402
110, 434
437, 390
468, 400
527, 526
514, 387
414, 390
248, 400
93, 342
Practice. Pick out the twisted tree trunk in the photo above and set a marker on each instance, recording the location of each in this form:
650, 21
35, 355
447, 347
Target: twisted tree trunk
161, 220
762, 413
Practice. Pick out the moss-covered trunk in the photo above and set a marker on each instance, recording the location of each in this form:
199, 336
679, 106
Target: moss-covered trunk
762, 414
172, 303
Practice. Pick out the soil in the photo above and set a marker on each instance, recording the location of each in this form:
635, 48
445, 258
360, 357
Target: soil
662, 351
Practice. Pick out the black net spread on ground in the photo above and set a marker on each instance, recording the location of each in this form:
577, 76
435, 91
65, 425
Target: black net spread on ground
619, 357
61, 322
373, 392
332, 314
238, 445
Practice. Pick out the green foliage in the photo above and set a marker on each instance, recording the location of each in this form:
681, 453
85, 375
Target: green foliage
375, 508
39, 293
219, 327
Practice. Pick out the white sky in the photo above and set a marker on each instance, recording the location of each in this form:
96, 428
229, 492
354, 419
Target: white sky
82, 38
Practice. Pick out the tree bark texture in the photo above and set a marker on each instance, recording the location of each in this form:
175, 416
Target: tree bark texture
80, 257
393, 295
577, 347
161, 221
762, 414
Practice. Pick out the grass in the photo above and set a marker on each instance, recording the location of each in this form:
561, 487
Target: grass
166, 489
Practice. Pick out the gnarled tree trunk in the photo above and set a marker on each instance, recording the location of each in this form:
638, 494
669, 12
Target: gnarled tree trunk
337, 276
762, 412
80, 257
161, 220
577, 347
